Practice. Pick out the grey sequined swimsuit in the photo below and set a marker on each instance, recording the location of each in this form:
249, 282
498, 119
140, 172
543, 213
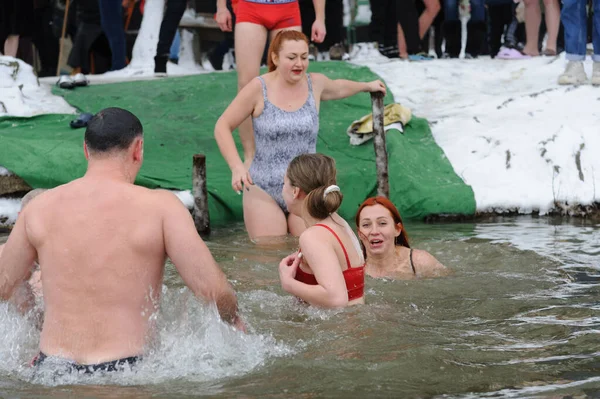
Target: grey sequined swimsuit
280, 136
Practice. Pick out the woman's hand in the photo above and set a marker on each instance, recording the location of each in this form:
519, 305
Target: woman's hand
288, 267
376, 86
240, 177
223, 18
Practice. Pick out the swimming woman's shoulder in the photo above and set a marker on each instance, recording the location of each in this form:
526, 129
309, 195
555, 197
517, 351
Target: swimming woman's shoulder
313, 234
427, 264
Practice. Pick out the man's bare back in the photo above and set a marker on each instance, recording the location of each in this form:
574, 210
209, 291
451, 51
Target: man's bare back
102, 242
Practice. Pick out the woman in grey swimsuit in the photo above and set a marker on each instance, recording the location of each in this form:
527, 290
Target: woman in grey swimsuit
284, 106
385, 244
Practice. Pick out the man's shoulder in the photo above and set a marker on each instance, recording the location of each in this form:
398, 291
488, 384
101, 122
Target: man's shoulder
160, 198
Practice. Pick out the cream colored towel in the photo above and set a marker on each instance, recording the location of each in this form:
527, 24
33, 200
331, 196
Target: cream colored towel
395, 116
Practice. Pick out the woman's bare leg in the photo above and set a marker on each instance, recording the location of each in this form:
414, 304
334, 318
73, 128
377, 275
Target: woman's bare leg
533, 19
402, 50
432, 8
262, 216
552, 15
11, 45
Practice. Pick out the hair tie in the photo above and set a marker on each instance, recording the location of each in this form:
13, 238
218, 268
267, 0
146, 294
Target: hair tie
330, 189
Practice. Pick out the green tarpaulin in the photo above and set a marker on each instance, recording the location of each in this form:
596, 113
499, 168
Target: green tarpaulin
179, 115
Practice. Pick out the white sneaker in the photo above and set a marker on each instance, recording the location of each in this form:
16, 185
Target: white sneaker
65, 82
80, 80
574, 74
596, 74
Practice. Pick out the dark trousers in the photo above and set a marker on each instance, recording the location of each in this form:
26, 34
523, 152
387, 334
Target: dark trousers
383, 26
173, 13
334, 22
500, 17
45, 41
408, 18
111, 14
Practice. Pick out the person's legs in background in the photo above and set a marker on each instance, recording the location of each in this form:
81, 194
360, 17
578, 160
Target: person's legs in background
573, 17
552, 18
174, 50
173, 12
533, 19
217, 55
111, 13
452, 29
409, 41
11, 45
432, 8
476, 29
382, 28
44, 39
501, 14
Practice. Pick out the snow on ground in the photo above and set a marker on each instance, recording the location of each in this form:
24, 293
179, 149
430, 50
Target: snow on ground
22, 95
9, 209
509, 130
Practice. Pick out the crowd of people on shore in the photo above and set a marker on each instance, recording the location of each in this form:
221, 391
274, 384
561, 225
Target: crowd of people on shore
502, 29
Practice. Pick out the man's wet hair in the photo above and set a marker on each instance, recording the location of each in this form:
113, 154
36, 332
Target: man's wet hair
112, 129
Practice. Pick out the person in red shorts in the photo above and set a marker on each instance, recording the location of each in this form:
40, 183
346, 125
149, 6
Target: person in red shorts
255, 19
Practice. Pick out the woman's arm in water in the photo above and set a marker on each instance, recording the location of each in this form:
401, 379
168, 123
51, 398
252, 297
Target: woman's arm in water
331, 292
337, 89
240, 108
427, 265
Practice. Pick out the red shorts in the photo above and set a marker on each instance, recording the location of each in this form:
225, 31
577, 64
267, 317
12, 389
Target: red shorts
273, 15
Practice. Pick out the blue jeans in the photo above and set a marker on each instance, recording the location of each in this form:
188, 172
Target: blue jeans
174, 52
477, 10
111, 15
573, 16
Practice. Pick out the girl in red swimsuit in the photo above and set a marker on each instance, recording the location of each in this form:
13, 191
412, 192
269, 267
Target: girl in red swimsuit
328, 270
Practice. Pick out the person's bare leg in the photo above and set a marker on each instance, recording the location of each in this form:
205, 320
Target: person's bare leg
402, 50
296, 225
552, 15
250, 41
432, 8
11, 45
262, 216
533, 19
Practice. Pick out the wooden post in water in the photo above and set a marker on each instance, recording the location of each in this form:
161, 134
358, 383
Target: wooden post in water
201, 217
381, 159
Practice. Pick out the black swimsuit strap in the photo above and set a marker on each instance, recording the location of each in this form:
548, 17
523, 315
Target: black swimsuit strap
411, 262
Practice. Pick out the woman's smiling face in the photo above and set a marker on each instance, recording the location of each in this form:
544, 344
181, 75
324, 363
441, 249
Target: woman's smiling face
377, 229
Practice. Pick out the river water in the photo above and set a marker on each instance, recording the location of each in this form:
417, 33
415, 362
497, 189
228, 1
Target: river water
519, 316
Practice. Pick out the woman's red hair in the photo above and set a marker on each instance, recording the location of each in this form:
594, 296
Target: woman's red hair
277, 43
402, 239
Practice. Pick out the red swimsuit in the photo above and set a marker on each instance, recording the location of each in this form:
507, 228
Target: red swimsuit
272, 14
354, 276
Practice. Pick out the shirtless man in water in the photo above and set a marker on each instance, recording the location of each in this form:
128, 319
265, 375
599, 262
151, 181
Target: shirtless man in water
101, 242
